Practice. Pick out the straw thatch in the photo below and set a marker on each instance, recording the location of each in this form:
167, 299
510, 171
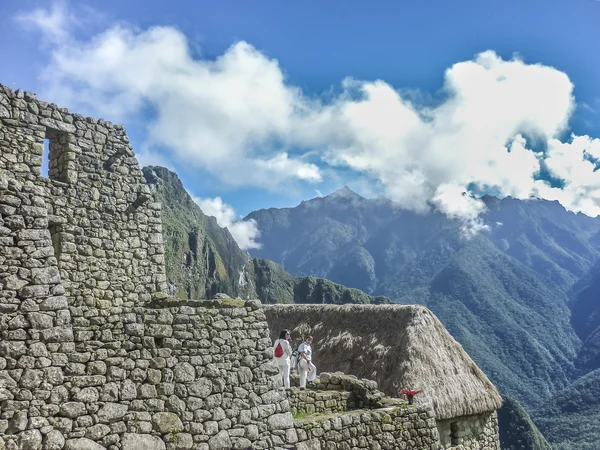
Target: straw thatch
398, 346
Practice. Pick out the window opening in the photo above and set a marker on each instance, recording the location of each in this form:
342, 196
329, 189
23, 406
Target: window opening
56, 146
46, 159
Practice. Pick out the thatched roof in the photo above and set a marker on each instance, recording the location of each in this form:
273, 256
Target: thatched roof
398, 346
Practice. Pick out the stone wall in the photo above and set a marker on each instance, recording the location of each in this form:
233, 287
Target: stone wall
320, 402
472, 432
409, 428
89, 356
35, 323
196, 374
193, 375
335, 392
107, 235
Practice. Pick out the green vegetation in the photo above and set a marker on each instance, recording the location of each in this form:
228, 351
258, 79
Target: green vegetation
302, 415
274, 285
585, 307
571, 421
517, 430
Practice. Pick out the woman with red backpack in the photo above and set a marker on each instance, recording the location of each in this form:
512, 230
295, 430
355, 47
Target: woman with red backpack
282, 352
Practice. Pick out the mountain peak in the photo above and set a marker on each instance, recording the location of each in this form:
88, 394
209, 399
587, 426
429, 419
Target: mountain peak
345, 192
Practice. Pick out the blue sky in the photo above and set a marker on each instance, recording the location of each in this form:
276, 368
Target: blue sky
314, 47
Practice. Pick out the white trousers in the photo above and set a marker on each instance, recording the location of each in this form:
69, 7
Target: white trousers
284, 371
304, 372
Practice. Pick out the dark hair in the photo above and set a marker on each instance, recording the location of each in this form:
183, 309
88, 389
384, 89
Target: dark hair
308, 337
283, 333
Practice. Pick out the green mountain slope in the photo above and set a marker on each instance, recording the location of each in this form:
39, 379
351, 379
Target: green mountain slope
274, 285
203, 259
517, 430
585, 318
571, 420
545, 237
514, 326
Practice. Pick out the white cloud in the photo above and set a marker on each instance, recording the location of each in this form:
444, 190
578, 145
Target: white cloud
148, 157
58, 23
230, 116
55, 24
570, 162
458, 204
474, 137
245, 232
238, 118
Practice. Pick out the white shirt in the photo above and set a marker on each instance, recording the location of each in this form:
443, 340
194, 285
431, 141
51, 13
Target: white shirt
306, 349
287, 351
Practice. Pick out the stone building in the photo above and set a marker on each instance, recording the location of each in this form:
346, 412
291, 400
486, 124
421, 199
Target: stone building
93, 352
401, 347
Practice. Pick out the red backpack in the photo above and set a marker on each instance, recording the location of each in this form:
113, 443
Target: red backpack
278, 350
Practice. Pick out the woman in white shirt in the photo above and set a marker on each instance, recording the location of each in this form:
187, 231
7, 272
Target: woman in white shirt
305, 366
282, 352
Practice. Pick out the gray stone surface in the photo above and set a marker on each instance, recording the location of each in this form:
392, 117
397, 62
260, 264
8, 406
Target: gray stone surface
82, 444
54, 440
132, 441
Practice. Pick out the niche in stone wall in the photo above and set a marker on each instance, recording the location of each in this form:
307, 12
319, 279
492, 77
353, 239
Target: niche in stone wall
55, 235
60, 157
454, 433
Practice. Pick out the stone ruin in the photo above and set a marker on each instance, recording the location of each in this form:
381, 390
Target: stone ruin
93, 353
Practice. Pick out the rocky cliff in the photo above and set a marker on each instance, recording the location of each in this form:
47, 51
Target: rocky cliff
201, 258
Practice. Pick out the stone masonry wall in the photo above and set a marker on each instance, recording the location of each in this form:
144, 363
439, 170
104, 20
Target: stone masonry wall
320, 402
475, 432
35, 331
89, 357
335, 392
196, 375
106, 233
409, 428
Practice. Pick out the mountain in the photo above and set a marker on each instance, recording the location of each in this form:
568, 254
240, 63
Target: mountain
585, 318
515, 327
274, 285
203, 259
517, 430
502, 294
542, 235
571, 420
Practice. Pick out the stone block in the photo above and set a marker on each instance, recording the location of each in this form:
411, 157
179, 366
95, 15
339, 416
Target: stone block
112, 412
166, 422
220, 441
82, 444
54, 440
131, 441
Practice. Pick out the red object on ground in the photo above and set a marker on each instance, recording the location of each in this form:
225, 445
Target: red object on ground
409, 394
